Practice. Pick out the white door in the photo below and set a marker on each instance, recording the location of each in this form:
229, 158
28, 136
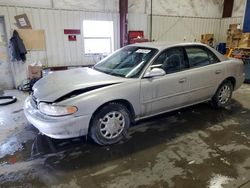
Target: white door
6, 81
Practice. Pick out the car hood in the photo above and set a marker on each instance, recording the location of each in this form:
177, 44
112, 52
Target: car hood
58, 84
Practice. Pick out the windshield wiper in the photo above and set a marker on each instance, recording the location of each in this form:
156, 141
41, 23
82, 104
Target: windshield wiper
115, 74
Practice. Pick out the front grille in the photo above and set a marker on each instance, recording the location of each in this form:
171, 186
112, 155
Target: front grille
34, 101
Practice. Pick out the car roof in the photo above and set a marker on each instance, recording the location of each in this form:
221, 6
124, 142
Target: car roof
164, 45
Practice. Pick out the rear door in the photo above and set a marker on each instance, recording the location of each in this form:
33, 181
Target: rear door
205, 72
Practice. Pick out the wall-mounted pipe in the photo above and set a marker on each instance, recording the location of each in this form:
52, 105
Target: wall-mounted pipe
52, 3
151, 21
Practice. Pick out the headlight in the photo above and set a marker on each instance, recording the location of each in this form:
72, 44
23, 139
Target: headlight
54, 110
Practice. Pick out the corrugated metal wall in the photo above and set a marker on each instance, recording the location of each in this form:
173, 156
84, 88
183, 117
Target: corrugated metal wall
166, 28
59, 51
184, 28
138, 21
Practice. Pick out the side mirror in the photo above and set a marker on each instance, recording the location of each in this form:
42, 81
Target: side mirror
154, 72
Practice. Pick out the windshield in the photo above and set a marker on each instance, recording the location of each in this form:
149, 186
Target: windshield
127, 62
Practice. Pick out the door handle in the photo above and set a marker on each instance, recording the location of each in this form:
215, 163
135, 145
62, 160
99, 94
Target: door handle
217, 71
182, 80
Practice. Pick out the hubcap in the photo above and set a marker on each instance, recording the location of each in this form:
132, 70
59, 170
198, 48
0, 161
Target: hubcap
112, 124
224, 94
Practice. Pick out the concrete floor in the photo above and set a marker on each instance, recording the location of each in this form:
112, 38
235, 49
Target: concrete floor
194, 147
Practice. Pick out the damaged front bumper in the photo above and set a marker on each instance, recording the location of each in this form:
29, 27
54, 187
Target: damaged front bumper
56, 127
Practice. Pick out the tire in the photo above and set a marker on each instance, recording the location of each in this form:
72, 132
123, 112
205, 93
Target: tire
223, 95
110, 124
11, 99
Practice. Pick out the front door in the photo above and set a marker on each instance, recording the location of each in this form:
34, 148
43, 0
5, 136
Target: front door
159, 94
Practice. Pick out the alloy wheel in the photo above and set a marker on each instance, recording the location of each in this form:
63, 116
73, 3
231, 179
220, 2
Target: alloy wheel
224, 94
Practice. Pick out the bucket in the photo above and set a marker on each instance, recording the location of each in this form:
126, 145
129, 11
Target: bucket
247, 69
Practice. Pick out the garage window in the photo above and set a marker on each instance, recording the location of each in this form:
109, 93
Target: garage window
98, 37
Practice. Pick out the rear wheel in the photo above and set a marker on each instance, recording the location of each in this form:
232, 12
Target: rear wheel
110, 124
223, 95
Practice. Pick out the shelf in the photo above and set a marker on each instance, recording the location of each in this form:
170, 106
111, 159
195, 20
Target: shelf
246, 48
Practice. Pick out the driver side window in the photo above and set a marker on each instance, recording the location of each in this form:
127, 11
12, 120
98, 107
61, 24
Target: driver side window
171, 60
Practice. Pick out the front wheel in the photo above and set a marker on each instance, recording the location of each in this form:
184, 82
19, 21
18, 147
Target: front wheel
110, 124
223, 95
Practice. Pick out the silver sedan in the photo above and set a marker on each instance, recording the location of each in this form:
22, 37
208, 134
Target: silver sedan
135, 82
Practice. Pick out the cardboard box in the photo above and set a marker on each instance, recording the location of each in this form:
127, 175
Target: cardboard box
208, 42
228, 44
237, 35
245, 36
234, 35
207, 36
34, 71
207, 39
229, 41
244, 43
244, 40
234, 26
235, 43
233, 32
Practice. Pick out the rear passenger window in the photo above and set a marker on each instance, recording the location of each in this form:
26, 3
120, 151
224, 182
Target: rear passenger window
200, 56
212, 57
197, 57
